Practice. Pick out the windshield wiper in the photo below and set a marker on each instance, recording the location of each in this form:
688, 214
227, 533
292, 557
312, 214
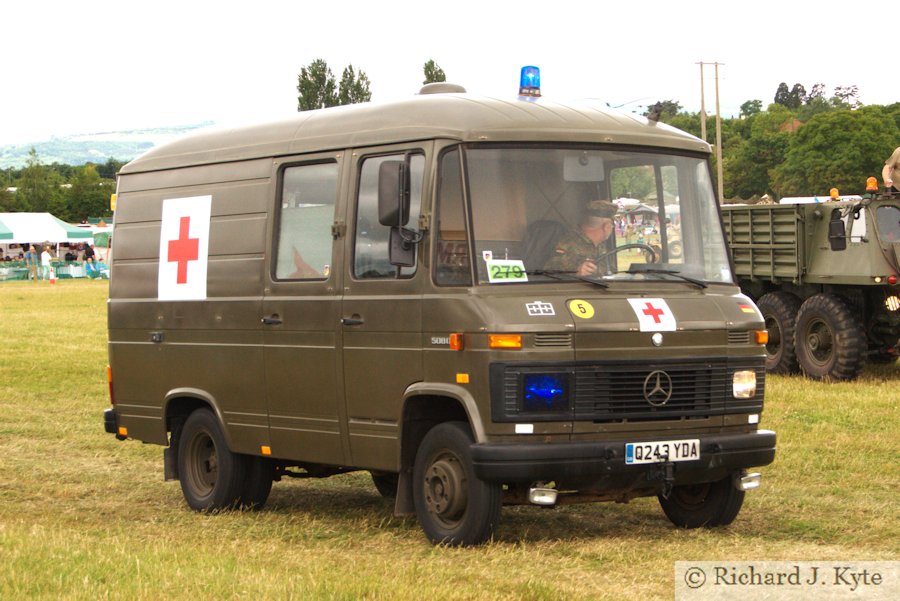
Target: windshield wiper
674, 272
567, 276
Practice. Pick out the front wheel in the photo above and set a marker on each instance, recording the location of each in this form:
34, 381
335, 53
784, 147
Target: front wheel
212, 477
452, 505
708, 504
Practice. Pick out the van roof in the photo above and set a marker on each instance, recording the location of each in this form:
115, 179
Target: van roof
463, 117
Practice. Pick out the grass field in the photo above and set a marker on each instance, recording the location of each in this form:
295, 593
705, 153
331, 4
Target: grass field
83, 516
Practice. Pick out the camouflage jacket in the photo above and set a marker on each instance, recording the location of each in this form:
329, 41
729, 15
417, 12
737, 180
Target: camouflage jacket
574, 248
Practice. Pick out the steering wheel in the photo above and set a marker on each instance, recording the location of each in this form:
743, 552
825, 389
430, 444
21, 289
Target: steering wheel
652, 257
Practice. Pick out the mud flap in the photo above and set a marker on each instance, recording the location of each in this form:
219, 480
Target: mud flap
170, 463
404, 504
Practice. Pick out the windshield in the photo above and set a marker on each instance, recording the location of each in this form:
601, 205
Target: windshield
888, 219
541, 214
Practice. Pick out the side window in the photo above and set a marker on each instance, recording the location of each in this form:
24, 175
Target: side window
451, 253
308, 195
370, 254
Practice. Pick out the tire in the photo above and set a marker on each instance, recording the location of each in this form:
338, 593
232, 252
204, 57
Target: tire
711, 504
829, 339
676, 249
453, 506
779, 310
386, 483
212, 477
258, 482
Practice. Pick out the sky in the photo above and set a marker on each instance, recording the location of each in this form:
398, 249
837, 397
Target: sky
87, 67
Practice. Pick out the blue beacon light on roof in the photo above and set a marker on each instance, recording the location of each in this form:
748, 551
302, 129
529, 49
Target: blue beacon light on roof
530, 83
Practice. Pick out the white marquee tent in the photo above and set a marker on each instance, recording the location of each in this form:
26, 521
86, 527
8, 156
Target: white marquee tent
37, 228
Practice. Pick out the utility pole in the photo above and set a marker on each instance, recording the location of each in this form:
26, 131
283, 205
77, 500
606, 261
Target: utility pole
720, 184
702, 106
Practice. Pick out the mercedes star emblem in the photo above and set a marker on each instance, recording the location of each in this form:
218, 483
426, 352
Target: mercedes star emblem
658, 388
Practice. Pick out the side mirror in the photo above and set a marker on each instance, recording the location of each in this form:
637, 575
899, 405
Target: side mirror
402, 249
393, 193
837, 232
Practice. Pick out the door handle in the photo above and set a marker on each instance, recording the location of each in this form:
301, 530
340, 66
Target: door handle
356, 320
272, 320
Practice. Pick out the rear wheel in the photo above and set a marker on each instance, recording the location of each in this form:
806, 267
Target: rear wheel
779, 310
829, 339
709, 504
211, 475
386, 483
453, 506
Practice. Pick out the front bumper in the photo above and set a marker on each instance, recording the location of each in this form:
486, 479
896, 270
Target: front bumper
601, 465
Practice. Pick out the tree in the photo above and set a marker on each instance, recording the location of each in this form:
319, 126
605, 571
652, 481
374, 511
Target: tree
837, 149
7, 201
748, 163
818, 91
354, 87
433, 73
38, 188
847, 96
750, 108
317, 88
110, 168
88, 195
782, 95
665, 109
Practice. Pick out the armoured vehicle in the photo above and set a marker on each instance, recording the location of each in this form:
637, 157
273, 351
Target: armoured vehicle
825, 276
366, 288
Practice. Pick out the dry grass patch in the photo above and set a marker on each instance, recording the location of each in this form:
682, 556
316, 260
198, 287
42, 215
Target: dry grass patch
83, 516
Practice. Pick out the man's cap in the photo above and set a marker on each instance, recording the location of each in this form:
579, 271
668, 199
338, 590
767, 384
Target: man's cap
601, 208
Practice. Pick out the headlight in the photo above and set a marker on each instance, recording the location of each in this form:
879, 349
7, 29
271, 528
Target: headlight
545, 392
743, 384
892, 303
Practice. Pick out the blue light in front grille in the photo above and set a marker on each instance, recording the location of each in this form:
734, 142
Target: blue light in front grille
545, 392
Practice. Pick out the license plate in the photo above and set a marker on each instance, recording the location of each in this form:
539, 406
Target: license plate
662, 451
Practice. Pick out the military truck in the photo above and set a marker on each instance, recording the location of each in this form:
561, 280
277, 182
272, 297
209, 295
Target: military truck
825, 276
366, 288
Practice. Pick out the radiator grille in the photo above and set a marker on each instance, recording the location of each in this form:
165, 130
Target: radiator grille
614, 391
559, 340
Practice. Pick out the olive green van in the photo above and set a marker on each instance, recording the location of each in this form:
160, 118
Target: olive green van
403, 288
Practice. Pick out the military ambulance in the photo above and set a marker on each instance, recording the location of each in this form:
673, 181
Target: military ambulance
367, 288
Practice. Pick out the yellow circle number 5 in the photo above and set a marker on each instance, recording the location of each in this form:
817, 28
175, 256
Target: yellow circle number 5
581, 308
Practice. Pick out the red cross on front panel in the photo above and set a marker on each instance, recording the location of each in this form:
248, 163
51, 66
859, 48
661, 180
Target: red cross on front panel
653, 312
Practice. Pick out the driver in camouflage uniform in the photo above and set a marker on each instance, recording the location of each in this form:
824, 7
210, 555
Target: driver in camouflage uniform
579, 251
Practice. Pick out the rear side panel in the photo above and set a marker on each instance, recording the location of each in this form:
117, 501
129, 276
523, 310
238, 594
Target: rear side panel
165, 350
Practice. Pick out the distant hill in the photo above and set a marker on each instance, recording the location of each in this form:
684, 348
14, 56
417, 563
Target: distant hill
93, 148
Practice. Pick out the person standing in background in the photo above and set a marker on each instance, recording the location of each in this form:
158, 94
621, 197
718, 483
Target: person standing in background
89, 258
31, 262
891, 172
45, 263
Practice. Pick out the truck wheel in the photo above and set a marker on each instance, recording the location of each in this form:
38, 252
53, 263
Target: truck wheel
829, 339
386, 483
676, 249
258, 483
779, 310
709, 504
453, 506
211, 475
